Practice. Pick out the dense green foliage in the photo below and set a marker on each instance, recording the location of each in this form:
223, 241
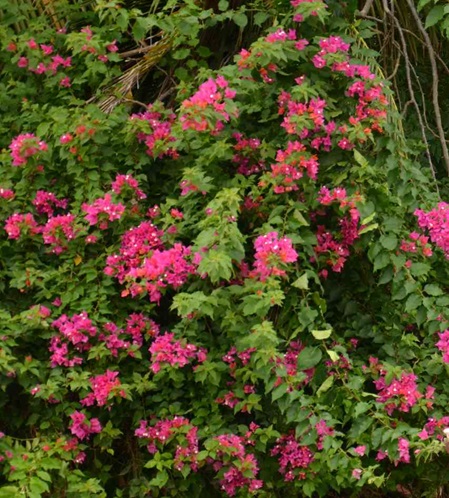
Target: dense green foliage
231, 281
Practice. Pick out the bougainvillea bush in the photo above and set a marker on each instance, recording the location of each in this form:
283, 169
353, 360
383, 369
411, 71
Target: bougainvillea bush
237, 291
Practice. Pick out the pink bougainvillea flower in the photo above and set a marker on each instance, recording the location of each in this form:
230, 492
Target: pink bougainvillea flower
82, 427
102, 387
102, 211
271, 254
24, 146
127, 182
165, 350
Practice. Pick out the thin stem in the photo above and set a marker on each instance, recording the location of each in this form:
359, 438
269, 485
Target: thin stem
411, 91
366, 8
434, 69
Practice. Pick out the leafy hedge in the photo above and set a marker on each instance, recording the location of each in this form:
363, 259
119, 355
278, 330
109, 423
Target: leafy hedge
239, 292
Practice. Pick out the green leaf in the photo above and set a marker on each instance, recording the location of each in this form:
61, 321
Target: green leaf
369, 228
260, 18
386, 276
42, 129
360, 408
399, 293
360, 425
10, 492
37, 486
321, 334
443, 301
202, 455
297, 215
390, 242
45, 476
413, 302
217, 264
433, 290
422, 4
182, 74
260, 304
369, 218
194, 302
204, 52
435, 15
141, 27
123, 19
308, 488
306, 316
160, 480
240, 19
360, 159
381, 261
332, 355
181, 54
419, 269
279, 391
308, 358
223, 5
392, 224
326, 385
302, 282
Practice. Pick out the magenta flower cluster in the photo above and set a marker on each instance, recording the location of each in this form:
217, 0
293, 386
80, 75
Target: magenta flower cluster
41, 58
239, 469
156, 132
331, 45
271, 255
82, 427
145, 266
58, 231
48, 63
403, 450
293, 457
443, 344
334, 248
288, 363
400, 394
18, 224
246, 155
418, 244
76, 331
163, 432
122, 183
140, 327
290, 166
102, 211
77, 334
434, 427
46, 203
103, 386
207, 109
25, 146
436, 223
6, 193
165, 350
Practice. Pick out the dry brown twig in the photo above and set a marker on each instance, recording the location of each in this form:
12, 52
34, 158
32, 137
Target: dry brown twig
435, 81
366, 8
433, 56
410, 88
